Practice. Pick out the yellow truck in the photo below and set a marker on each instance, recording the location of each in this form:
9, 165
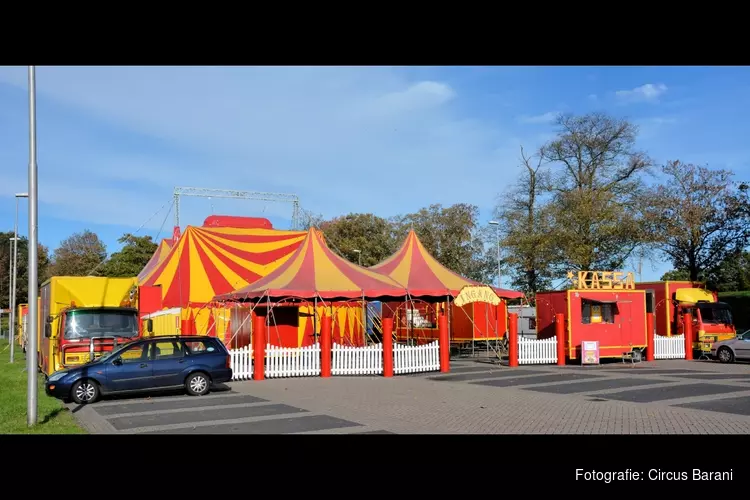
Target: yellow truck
83, 317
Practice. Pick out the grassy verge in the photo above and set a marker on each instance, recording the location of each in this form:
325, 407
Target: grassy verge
54, 417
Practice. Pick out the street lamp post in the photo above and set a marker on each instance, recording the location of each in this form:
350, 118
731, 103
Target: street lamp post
31, 351
10, 280
499, 274
359, 256
15, 276
11, 244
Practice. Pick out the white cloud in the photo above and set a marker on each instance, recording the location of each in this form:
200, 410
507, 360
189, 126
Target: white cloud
343, 139
548, 117
649, 92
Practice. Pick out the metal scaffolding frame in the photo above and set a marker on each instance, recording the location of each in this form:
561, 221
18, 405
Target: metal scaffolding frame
238, 195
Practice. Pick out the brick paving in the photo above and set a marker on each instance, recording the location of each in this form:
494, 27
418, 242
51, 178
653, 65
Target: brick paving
679, 397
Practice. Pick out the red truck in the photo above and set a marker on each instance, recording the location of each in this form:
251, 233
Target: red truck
670, 300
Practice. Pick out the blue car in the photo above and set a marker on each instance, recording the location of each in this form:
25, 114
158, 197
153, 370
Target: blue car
152, 364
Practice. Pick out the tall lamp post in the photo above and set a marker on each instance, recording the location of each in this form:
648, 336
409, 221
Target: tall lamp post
15, 276
499, 274
359, 256
11, 243
31, 351
10, 284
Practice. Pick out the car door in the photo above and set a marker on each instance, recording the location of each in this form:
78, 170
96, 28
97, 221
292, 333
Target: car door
168, 361
130, 370
742, 346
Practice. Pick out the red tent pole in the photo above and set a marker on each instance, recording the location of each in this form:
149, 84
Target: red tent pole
444, 343
688, 332
326, 334
259, 347
387, 347
650, 340
560, 333
513, 340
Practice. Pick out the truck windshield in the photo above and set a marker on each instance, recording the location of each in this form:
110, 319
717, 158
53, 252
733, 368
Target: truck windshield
97, 323
716, 314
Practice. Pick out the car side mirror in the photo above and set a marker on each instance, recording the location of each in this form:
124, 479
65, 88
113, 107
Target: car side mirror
117, 361
150, 325
48, 330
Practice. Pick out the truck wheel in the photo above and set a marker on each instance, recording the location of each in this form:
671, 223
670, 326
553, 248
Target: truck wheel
197, 384
84, 392
725, 355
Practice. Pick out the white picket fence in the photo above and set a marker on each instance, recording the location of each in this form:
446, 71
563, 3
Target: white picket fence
537, 351
292, 361
242, 363
418, 358
350, 360
669, 347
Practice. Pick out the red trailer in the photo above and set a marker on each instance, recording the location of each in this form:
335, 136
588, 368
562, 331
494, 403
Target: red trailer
614, 317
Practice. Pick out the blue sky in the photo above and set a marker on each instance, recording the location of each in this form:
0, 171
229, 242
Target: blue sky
113, 142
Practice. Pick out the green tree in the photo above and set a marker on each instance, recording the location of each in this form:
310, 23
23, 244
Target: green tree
594, 183
360, 236
81, 254
453, 236
525, 225
22, 261
700, 217
131, 259
676, 275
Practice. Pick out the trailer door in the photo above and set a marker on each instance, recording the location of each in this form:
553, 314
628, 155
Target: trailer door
625, 322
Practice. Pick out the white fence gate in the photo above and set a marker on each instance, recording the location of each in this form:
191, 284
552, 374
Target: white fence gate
418, 358
537, 351
669, 347
350, 360
292, 361
242, 363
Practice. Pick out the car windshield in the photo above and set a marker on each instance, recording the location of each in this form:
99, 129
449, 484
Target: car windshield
84, 324
716, 314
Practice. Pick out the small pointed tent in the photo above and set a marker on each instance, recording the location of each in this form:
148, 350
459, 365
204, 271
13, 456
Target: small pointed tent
159, 255
314, 270
413, 267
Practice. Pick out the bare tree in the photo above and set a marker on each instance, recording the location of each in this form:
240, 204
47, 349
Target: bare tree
700, 215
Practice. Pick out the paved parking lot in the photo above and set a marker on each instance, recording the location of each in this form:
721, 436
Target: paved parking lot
664, 397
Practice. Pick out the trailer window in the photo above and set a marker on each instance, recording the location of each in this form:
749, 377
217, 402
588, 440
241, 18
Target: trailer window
596, 312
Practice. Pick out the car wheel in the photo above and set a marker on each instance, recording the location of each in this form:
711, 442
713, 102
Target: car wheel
725, 355
84, 392
197, 384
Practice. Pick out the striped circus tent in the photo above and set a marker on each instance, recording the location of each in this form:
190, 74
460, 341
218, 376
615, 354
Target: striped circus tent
208, 261
160, 254
413, 267
205, 261
325, 282
315, 271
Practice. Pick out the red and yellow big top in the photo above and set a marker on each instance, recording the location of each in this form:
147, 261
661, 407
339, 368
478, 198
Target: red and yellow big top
205, 262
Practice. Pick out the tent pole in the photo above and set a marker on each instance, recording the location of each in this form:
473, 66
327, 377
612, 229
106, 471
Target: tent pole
315, 318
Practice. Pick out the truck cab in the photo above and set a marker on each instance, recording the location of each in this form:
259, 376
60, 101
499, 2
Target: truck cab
712, 320
85, 333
